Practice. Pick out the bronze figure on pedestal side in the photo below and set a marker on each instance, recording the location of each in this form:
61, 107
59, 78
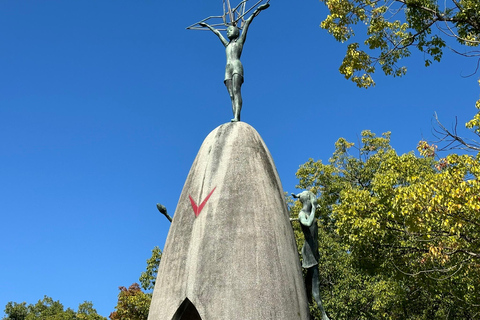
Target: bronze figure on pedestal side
310, 254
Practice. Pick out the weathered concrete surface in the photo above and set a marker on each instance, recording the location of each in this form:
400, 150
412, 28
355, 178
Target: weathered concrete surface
238, 258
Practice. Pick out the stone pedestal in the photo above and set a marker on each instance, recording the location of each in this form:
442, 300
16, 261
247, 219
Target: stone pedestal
230, 252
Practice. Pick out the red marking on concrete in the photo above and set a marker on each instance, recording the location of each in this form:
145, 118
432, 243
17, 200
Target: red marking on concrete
198, 209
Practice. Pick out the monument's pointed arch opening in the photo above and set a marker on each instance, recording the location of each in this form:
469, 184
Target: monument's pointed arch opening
187, 311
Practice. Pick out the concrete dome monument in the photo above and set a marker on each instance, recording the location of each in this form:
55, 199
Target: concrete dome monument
230, 251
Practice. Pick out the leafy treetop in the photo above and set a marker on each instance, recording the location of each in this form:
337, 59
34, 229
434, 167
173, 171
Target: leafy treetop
49, 309
406, 226
392, 28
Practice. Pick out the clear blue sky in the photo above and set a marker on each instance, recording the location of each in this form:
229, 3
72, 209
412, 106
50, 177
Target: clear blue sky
104, 105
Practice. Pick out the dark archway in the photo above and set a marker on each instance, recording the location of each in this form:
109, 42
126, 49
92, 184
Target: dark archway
186, 311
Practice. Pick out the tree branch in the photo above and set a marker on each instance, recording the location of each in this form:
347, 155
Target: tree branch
454, 141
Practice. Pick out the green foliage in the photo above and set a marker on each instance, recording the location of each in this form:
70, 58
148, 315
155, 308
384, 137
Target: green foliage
474, 124
133, 304
148, 277
48, 309
392, 27
16, 311
87, 312
399, 234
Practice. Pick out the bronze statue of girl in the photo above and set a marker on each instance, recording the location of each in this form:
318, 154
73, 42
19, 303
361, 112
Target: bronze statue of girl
310, 254
234, 68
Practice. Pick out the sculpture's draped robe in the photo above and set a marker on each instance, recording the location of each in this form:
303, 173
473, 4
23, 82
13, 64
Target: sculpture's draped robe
310, 253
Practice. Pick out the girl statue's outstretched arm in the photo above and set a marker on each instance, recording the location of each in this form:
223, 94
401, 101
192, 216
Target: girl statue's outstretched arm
243, 37
219, 35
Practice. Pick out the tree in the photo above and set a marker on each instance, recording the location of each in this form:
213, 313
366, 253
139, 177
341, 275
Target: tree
148, 277
406, 230
16, 311
348, 292
393, 27
451, 140
87, 312
49, 309
133, 303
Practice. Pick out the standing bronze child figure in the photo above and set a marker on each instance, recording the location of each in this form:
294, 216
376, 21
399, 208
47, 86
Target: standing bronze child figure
234, 68
310, 254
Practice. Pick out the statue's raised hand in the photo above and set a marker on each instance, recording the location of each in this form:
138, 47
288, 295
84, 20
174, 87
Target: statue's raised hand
263, 6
